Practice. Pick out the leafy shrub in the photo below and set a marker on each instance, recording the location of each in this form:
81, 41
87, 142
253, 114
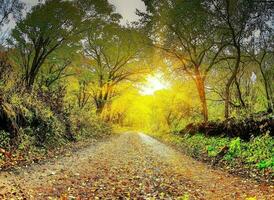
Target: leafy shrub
264, 164
234, 149
87, 124
42, 120
259, 149
26, 111
4, 139
199, 145
53, 97
211, 150
47, 129
27, 140
258, 152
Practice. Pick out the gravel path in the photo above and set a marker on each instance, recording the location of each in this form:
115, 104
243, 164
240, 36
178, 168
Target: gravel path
131, 166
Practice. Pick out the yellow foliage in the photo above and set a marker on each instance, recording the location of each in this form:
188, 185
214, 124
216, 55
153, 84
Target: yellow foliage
165, 109
8, 110
251, 198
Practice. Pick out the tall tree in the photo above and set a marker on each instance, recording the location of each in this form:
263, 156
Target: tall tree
115, 55
50, 26
187, 33
260, 49
237, 21
46, 28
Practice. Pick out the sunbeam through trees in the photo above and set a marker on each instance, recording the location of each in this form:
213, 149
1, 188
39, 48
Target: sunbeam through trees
166, 102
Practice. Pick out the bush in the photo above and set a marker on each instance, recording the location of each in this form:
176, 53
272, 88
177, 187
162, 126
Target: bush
4, 139
47, 130
27, 117
27, 139
264, 164
21, 112
234, 149
257, 153
53, 97
87, 124
35, 122
198, 144
260, 151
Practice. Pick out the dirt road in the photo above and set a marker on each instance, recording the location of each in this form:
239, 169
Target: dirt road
131, 166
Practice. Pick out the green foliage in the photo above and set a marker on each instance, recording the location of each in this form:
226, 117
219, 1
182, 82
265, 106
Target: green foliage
4, 139
211, 150
193, 53
114, 55
256, 153
234, 149
184, 197
30, 112
47, 129
38, 126
87, 125
42, 32
264, 164
27, 140
198, 145
259, 149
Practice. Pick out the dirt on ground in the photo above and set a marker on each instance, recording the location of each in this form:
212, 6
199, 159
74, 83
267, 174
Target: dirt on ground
131, 166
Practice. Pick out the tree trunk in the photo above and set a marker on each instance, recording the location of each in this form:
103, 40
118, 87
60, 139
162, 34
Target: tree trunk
99, 108
30, 82
240, 96
230, 81
100, 103
271, 97
200, 84
267, 89
31, 76
103, 98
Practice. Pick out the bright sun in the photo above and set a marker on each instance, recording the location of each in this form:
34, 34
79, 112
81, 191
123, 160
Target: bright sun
153, 83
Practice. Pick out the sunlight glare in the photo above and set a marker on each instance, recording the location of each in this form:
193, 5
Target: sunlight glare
153, 83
